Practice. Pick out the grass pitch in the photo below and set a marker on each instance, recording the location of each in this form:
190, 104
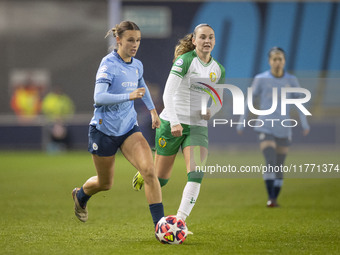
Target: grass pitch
230, 216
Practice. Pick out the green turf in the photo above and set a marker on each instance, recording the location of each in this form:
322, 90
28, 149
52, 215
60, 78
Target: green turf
230, 216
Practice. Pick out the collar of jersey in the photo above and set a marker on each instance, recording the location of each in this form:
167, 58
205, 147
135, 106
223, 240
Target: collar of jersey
204, 64
283, 76
115, 53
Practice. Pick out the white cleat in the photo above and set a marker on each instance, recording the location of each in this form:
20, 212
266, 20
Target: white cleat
79, 211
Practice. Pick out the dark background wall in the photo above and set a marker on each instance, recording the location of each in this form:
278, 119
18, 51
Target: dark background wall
66, 40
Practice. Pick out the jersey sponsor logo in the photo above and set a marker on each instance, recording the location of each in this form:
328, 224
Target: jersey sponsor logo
205, 88
179, 62
94, 146
103, 69
212, 76
129, 84
198, 88
161, 142
102, 75
177, 69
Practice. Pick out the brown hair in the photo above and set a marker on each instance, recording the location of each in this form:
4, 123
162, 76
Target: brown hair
276, 50
120, 28
185, 44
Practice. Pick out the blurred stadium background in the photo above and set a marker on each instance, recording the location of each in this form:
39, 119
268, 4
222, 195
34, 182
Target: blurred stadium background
49, 54
57, 45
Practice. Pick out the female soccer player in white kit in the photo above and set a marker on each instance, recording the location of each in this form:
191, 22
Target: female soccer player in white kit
119, 82
182, 124
274, 140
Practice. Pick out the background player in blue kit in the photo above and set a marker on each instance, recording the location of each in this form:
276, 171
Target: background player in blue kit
274, 140
119, 82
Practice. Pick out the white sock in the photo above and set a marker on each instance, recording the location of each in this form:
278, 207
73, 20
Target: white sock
189, 197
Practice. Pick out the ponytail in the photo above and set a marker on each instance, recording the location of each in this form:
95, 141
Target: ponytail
112, 31
184, 45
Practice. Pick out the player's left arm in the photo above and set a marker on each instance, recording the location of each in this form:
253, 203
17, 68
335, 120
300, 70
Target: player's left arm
215, 108
302, 116
257, 87
156, 122
304, 123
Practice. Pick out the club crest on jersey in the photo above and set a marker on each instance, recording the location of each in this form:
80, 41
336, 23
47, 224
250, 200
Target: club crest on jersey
137, 72
213, 76
100, 121
161, 142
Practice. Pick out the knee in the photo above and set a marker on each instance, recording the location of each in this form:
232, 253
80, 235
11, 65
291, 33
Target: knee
148, 173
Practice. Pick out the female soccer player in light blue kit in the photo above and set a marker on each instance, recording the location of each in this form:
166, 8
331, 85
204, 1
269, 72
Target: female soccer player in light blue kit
119, 82
274, 140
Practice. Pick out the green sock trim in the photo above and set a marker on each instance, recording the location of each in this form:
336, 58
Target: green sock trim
163, 182
195, 176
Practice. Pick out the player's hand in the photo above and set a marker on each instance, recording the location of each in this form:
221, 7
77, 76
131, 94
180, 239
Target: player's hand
177, 130
156, 122
305, 132
206, 116
138, 93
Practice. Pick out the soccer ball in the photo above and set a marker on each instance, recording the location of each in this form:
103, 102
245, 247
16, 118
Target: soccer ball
171, 230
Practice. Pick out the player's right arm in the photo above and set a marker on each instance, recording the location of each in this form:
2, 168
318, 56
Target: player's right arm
303, 117
256, 86
104, 80
178, 70
170, 88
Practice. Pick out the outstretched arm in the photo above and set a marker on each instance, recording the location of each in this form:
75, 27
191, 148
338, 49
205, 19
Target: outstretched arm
103, 97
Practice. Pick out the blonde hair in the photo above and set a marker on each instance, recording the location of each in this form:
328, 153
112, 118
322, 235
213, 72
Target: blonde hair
185, 44
119, 29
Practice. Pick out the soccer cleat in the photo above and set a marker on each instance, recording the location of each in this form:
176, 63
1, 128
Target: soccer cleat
272, 203
79, 211
137, 182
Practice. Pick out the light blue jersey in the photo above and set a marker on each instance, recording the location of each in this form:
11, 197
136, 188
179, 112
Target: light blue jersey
114, 113
262, 88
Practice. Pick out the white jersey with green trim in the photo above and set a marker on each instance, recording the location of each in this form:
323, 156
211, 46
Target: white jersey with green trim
196, 80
